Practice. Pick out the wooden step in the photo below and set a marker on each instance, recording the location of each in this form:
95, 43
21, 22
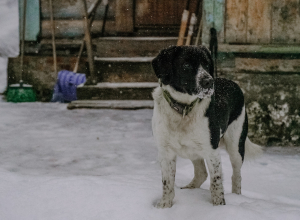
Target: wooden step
112, 104
117, 91
124, 69
106, 46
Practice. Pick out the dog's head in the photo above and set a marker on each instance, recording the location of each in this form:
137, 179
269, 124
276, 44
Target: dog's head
188, 69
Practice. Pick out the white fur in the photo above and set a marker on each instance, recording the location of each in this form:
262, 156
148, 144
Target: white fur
203, 93
188, 137
231, 140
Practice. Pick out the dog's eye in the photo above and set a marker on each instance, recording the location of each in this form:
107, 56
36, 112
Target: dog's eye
186, 66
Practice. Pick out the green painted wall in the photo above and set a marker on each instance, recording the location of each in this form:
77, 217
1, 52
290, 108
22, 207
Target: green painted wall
32, 29
213, 17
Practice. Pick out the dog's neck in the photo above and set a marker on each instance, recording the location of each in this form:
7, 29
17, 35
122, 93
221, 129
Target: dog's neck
183, 98
182, 103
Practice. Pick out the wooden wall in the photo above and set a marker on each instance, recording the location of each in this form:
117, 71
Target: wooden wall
68, 16
262, 21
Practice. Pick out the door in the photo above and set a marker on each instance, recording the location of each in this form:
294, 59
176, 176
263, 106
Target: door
160, 17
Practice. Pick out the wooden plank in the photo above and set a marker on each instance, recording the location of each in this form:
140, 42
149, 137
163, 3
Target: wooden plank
159, 12
213, 17
112, 104
124, 16
72, 9
74, 28
236, 21
259, 21
32, 30
267, 65
269, 49
286, 20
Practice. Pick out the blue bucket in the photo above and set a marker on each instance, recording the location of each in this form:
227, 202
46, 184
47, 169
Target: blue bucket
65, 87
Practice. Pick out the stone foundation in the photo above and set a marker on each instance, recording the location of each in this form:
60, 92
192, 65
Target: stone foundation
273, 106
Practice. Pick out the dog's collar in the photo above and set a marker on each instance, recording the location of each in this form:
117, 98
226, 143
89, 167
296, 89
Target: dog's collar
182, 109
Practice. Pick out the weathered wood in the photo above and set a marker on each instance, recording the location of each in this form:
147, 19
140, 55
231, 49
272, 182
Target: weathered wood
32, 29
267, 65
271, 49
125, 71
124, 16
213, 17
72, 9
236, 21
158, 12
104, 91
112, 104
74, 28
259, 21
286, 21
132, 46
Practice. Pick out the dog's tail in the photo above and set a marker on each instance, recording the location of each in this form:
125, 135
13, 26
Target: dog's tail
252, 151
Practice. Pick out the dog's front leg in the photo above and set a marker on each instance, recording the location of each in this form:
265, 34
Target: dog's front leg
168, 170
216, 185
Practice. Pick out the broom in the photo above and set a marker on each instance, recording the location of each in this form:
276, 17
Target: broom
21, 92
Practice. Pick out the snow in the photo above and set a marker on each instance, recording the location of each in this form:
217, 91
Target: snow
9, 25
3, 74
102, 164
9, 36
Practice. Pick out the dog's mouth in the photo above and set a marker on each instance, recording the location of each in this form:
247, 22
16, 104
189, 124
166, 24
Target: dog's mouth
205, 93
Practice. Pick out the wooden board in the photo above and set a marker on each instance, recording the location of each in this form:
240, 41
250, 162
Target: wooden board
213, 17
72, 9
259, 21
236, 21
160, 12
32, 30
286, 21
124, 16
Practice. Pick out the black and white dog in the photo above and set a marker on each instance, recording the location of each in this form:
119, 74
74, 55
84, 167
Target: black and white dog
192, 113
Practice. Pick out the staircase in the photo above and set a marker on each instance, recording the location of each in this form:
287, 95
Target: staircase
125, 76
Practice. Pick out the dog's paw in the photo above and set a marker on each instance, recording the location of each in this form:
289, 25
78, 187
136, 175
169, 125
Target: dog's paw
164, 204
218, 201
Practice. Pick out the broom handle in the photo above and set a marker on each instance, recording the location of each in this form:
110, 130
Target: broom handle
91, 15
184, 21
53, 37
88, 41
193, 21
23, 39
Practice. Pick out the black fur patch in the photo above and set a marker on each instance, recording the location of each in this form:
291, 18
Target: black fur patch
178, 66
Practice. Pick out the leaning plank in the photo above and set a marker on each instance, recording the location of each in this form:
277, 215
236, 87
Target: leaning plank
236, 21
259, 21
112, 104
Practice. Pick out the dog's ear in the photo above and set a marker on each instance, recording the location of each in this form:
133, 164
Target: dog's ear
209, 60
162, 64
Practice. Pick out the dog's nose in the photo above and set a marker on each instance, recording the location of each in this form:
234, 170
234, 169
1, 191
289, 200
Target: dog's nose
206, 83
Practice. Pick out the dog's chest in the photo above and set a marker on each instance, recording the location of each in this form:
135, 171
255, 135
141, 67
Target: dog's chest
188, 137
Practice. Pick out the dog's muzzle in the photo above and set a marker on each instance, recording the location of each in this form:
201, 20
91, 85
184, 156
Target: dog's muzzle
205, 88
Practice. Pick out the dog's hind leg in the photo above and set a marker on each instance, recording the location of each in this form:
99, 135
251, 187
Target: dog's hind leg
234, 139
200, 174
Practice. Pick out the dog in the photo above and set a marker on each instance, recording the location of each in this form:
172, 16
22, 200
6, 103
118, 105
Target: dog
192, 112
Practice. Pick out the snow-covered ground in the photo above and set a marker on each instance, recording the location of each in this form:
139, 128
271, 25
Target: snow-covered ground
9, 36
9, 26
102, 164
3, 74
